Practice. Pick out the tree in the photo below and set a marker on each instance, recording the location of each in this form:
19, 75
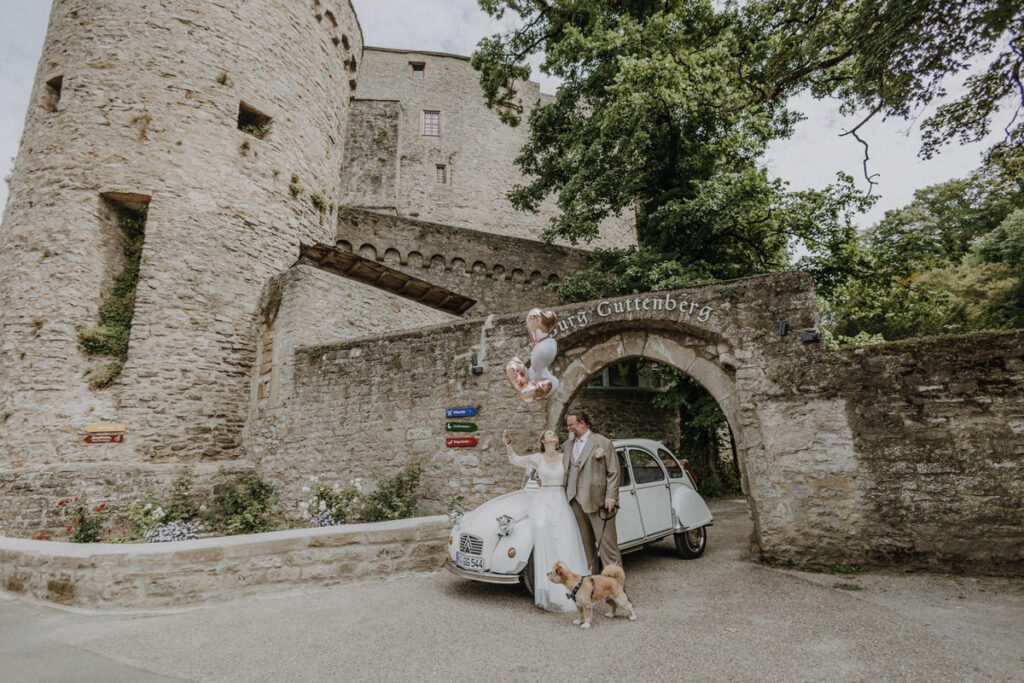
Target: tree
652, 119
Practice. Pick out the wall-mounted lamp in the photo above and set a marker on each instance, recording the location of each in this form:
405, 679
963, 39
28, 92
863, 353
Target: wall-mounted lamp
810, 336
475, 368
783, 328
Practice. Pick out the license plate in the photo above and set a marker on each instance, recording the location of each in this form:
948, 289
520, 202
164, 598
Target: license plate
469, 561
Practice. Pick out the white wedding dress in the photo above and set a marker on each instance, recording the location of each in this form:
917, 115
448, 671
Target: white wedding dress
556, 536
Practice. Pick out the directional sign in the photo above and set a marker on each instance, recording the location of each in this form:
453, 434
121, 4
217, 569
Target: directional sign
460, 442
460, 412
460, 426
104, 438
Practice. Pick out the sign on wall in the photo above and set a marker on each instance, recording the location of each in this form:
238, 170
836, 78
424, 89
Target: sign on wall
460, 412
460, 441
460, 426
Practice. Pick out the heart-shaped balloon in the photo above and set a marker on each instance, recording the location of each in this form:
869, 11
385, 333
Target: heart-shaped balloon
538, 322
517, 374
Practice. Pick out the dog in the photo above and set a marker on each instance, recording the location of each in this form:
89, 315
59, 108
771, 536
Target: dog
587, 591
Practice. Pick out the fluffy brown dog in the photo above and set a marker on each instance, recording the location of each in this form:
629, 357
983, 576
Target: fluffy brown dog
587, 591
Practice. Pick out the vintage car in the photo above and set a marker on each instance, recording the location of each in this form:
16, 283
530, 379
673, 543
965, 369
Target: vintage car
657, 498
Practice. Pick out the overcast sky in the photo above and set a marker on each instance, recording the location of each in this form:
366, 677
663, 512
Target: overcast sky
810, 158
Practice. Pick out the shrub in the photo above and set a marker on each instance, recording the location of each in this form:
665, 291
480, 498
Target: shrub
394, 497
83, 524
331, 505
242, 506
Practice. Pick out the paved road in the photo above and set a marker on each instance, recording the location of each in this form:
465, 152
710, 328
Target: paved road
718, 618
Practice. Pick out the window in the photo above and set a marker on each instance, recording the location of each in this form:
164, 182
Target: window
431, 122
441, 174
419, 70
645, 468
253, 122
675, 470
330, 17
624, 479
54, 86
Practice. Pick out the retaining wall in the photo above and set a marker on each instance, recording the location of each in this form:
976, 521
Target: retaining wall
147, 576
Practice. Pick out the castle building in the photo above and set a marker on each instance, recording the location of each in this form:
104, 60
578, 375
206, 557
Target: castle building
203, 188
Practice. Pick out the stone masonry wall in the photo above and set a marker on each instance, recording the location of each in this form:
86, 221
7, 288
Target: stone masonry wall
316, 308
158, 575
476, 148
938, 426
627, 414
839, 461
149, 108
504, 274
370, 173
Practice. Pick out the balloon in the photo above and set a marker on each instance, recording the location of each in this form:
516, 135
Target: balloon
536, 382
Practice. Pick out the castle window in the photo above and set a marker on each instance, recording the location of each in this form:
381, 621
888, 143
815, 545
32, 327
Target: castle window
54, 86
419, 70
441, 174
330, 16
431, 122
344, 42
253, 121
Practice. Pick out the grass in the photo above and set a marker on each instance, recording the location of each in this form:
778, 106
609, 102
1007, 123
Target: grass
296, 187
257, 130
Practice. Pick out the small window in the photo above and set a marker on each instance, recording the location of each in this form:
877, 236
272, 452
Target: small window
431, 123
419, 70
330, 17
624, 480
54, 86
441, 174
344, 42
675, 470
645, 468
253, 122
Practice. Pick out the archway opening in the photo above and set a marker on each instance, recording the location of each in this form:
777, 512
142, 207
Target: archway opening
641, 398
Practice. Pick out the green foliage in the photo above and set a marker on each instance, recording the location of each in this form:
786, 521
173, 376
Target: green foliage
319, 200
296, 187
947, 262
257, 130
394, 497
83, 523
453, 503
179, 504
224, 79
330, 505
242, 506
110, 338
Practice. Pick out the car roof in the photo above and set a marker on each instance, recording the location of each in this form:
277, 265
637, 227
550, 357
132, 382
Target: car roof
649, 444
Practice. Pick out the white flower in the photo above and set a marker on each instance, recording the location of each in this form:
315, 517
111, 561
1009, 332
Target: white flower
147, 506
159, 513
323, 506
305, 489
303, 506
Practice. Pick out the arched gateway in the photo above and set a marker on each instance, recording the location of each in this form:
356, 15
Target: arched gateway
859, 456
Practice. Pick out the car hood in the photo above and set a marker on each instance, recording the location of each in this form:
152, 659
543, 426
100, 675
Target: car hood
482, 521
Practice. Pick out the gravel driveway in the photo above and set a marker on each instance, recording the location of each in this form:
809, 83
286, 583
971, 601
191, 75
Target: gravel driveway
721, 617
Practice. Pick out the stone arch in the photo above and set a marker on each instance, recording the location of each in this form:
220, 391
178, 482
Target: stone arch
518, 275
499, 272
536, 278
415, 260
480, 268
458, 264
344, 245
368, 251
581, 356
437, 262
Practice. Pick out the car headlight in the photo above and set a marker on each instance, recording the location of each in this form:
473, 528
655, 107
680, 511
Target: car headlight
505, 524
455, 517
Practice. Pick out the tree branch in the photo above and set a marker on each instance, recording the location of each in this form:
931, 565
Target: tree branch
870, 177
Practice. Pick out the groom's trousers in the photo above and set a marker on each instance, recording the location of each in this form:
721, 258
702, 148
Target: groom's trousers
593, 527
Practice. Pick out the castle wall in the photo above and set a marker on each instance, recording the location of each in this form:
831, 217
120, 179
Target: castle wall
149, 111
905, 454
504, 274
316, 308
477, 150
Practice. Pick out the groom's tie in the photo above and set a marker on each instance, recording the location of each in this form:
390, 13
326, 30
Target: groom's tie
577, 448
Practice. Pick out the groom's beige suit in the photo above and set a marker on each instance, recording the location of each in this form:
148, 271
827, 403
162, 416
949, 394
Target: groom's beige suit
591, 476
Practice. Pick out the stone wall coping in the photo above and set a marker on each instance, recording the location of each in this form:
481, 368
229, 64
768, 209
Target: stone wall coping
803, 280
57, 549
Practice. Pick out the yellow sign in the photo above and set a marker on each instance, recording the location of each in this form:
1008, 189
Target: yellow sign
105, 428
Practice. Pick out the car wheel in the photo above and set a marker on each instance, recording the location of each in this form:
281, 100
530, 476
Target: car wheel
691, 544
526, 576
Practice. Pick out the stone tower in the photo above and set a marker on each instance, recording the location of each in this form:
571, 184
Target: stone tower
219, 129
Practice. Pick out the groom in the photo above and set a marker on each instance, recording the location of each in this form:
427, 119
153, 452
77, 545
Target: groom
592, 487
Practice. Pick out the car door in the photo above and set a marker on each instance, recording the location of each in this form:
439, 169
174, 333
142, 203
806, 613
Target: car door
628, 526
653, 495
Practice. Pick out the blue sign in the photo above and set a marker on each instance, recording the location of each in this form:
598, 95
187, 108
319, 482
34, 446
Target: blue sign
460, 412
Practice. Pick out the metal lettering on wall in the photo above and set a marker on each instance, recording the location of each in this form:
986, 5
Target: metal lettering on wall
639, 306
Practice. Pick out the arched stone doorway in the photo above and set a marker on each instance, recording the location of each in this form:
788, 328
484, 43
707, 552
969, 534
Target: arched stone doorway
703, 356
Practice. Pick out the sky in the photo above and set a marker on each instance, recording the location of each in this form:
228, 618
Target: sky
811, 158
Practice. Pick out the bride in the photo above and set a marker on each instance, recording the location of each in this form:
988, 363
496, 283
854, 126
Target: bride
556, 536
